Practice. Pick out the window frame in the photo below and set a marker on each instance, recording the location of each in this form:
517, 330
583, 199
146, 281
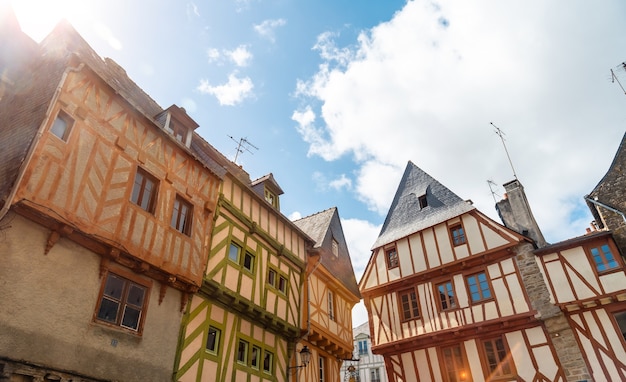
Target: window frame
331, 305
129, 280
363, 350
460, 239
497, 372
598, 244
321, 363
270, 368
282, 284
238, 353
621, 311
460, 374
216, 345
152, 198
451, 302
423, 201
69, 124
392, 261
187, 221
259, 353
248, 255
482, 298
411, 292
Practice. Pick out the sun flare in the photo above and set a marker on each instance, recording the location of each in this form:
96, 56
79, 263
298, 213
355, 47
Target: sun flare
38, 17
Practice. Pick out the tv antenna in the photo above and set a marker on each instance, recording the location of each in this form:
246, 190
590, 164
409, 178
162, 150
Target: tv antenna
243, 145
501, 135
493, 193
614, 76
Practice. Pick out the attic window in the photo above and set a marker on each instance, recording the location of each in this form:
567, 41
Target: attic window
335, 247
177, 131
423, 201
271, 198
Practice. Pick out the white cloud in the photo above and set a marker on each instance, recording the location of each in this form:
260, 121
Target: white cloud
189, 105
240, 56
231, 93
267, 28
106, 34
425, 85
295, 216
342, 182
192, 10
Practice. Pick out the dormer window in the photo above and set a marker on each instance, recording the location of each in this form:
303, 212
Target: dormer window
271, 198
177, 123
177, 131
335, 248
423, 201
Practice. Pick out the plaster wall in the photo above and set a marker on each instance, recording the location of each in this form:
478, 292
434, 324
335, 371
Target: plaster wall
48, 303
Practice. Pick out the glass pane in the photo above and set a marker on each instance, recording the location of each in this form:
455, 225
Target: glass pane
247, 261
59, 127
254, 357
175, 214
620, 317
131, 317
136, 295
146, 197
114, 286
242, 349
108, 310
212, 339
271, 277
137, 188
267, 362
233, 252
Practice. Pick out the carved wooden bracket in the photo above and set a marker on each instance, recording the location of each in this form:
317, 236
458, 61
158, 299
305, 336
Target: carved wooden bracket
104, 265
184, 297
55, 235
142, 267
162, 292
253, 228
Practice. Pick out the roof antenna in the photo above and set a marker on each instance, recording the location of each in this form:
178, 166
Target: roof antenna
242, 145
493, 193
614, 76
501, 135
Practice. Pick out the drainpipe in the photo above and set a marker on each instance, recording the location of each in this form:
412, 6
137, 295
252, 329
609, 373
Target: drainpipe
31, 149
597, 203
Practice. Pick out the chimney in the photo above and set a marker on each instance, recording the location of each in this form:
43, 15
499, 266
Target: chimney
516, 214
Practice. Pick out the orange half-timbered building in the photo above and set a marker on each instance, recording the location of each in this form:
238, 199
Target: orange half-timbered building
105, 216
331, 293
446, 296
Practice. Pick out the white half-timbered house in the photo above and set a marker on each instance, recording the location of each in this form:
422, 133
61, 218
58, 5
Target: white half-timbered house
446, 297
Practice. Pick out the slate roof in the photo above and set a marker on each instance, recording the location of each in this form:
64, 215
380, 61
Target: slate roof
405, 216
322, 227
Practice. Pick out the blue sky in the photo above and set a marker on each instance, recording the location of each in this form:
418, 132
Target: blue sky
338, 95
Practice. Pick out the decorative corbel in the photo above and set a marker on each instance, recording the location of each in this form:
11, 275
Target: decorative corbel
142, 267
55, 235
162, 292
253, 228
184, 297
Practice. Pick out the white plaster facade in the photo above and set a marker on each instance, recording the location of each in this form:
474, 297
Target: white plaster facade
370, 367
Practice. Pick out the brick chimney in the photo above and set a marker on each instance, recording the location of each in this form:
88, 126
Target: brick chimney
516, 214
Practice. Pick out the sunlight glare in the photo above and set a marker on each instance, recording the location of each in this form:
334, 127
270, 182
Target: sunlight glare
37, 18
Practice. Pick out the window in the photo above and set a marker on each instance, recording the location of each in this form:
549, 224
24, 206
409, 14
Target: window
478, 287
363, 347
423, 201
255, 357
454, 364
271, 198
392, 258
242, 352
282, 284
233, 252
268, 361
145, 191
122, 302
458, 235
181, 216
498, 361
335, 247
408, 304
446, 295
62, 125
375, 375
213, 340
603, 258
248, 261
331, 305
322, 366
271, 277
178, 131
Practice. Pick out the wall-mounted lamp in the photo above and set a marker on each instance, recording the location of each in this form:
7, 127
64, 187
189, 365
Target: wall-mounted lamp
305, 357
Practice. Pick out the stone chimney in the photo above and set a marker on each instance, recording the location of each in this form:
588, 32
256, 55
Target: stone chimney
516, 214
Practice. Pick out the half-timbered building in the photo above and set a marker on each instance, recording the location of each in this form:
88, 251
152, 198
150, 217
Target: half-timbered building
105, 216
331, 293
245, 322
445, 293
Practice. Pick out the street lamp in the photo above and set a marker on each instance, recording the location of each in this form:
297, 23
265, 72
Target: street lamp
305, 357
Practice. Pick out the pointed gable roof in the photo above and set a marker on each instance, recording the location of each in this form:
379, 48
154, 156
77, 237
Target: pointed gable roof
405, 215
323, 227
